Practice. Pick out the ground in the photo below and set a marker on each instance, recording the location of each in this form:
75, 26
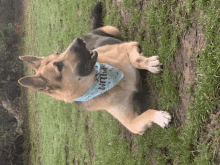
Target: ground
174, 144
186, 62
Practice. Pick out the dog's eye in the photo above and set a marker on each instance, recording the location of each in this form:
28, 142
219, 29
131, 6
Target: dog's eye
59, 65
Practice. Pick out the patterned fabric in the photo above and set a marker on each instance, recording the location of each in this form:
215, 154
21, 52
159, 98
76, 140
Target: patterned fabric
106, 77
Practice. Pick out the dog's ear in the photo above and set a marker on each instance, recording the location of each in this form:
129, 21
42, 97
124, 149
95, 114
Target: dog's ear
86, 67
37, 83
34, 61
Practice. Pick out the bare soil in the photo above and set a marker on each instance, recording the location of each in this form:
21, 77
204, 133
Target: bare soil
20, 6
12, 149
191, 44
12, 101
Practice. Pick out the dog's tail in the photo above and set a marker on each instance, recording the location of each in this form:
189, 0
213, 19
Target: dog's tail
96, 16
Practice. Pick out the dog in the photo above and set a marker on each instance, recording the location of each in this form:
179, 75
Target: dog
68, 76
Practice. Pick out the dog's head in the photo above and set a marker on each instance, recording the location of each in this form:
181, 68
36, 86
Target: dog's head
64, 76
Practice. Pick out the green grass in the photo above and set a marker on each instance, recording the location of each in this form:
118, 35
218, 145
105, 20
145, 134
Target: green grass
60, 133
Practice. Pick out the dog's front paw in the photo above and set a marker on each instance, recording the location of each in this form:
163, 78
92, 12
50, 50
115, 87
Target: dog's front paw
162, 118
153, 64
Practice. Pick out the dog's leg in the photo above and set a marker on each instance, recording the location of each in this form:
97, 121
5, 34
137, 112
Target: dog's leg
143, 121
138, 124
139, 61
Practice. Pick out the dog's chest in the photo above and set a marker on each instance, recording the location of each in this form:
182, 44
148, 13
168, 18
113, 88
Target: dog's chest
117, 56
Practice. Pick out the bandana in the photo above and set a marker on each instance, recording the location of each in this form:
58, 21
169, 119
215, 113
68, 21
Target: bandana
106, 78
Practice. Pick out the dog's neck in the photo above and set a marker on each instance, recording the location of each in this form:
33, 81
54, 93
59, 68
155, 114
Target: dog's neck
106, 78
85, 84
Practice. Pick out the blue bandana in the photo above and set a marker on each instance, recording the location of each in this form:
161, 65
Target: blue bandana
106, 77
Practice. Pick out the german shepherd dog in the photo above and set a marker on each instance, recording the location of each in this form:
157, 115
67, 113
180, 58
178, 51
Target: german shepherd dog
68, 75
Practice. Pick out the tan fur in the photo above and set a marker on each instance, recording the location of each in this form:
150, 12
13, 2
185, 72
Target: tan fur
118, 100
111, 30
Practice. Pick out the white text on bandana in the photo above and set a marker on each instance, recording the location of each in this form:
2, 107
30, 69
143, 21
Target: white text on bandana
106, 78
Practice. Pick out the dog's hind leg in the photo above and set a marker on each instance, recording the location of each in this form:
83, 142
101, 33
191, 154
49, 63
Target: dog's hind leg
141, 62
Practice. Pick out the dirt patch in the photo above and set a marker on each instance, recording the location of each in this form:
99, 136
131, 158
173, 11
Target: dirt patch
79, 13
130, 137
125, 14
10, 91
10, 94
186, 63
20, 6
